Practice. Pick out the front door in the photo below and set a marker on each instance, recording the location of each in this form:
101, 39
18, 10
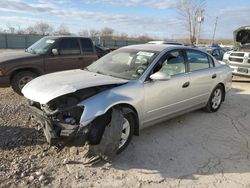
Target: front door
163, 98
69, 56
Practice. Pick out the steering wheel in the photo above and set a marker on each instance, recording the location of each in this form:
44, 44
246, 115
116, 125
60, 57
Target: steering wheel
140, 70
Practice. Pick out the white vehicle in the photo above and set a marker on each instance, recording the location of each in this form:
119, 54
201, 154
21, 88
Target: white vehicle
239, 58
165, 42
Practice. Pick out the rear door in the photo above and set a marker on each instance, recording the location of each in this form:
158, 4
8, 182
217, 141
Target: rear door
89, 51
69, 56
202, 75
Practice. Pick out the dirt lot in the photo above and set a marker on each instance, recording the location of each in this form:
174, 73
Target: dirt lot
194, 150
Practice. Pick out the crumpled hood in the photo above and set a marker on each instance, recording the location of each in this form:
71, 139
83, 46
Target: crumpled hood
45, 88
242, 35
17, 54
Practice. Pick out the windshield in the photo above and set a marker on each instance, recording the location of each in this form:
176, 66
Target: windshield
209, 51
124, 63
41, 46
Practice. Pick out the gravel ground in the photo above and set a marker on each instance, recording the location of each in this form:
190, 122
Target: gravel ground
194, 150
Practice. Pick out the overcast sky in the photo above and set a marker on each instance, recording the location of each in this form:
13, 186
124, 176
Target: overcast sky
135, 17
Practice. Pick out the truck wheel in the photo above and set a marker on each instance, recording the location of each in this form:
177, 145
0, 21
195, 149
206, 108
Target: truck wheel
21, 79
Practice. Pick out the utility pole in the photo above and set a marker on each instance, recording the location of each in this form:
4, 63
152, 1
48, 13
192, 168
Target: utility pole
200, 19
215, 26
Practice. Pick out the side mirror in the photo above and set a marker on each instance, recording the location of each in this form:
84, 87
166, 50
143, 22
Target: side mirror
160, 76
55, 52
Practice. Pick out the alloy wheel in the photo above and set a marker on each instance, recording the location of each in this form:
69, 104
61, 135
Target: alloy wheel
23, 81
217, 97
125, 133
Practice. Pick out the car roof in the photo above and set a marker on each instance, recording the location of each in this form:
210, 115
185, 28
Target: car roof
65, 36
156, 47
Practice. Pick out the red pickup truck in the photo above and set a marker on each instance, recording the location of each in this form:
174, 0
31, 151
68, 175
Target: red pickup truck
49, 54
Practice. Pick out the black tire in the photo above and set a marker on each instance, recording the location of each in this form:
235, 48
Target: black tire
19, 80
109, 145
214, 104
129, 116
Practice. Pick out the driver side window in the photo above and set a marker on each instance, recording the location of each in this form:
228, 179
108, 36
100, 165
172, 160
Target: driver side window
68, 46
216, 53
172, 63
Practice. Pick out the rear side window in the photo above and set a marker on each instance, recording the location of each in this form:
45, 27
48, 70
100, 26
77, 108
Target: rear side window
197, 60
69, 46
87, 45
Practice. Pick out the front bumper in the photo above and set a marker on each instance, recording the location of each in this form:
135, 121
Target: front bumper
53, 130
4, 81
241, 71
39, 120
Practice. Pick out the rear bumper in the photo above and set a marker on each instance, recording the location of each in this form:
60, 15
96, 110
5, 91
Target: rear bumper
4, 81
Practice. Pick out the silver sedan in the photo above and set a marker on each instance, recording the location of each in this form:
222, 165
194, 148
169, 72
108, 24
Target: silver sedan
125, 91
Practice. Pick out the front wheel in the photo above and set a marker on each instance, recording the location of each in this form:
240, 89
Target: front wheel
115, 136
127, 130
215, 99
21, 79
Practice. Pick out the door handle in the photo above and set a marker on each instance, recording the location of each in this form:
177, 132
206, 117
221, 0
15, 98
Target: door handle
214, 76
186, 84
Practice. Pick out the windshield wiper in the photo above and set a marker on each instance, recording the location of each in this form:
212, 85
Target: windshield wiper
85, 69
99, 72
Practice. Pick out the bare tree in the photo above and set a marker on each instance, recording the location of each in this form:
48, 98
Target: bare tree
63, 30
84, 33
11, 29
43, 28
189, 12
143, 38
30, 30
94, 33
107, 32
124, 36
19, 30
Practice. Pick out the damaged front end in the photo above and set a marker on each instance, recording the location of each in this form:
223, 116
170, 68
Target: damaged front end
60, 118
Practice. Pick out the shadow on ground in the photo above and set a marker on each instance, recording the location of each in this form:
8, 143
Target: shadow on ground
197, 143
14, 137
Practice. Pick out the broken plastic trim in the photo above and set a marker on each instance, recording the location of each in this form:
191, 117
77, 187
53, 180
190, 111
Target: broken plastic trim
59, 110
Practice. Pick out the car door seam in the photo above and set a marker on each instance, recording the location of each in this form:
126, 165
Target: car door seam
176, 103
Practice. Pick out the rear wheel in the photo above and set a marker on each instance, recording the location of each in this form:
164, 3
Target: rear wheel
215, 99
21, 79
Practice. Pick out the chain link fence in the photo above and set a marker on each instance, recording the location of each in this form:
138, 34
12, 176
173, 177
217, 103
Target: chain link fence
17, 41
